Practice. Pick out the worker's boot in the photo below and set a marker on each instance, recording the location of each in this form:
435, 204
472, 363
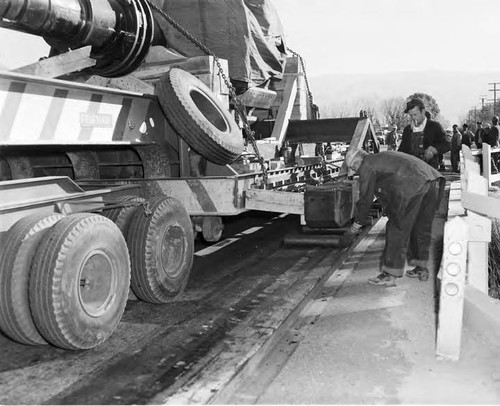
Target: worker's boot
383, 279
418, 272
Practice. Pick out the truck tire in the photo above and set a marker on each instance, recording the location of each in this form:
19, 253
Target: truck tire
122, 216
212, 228
79, 281
195, 113
161, 250
21, 242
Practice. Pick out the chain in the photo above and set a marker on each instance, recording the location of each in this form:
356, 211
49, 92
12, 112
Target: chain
309, 94
314, 108
239, 107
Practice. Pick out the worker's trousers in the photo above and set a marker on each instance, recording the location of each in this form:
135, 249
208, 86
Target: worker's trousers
455, 160
409, 232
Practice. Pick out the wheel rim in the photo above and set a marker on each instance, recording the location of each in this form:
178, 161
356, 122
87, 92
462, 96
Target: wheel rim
209, 110
96, 280
171, 249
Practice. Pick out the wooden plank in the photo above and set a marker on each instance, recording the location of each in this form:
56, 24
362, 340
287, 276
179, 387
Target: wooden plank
275, 201
482, 313
132, 83
451, 303
292, 65
479, 236
60, 65
469, 158
285, 110
258, 98
486, 205
487, 163
356, 141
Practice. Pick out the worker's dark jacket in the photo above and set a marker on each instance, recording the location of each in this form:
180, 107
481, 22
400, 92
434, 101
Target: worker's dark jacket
467, 138
395, 178
493, 136
434, 135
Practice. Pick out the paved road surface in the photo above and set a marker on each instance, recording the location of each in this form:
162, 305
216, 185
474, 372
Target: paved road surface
240, 291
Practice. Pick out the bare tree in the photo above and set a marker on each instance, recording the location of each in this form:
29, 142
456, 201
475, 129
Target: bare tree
392, 111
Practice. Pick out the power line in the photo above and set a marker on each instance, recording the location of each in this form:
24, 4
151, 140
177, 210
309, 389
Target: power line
494, 90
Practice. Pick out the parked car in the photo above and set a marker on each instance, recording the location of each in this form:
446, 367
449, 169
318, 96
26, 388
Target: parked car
381, 137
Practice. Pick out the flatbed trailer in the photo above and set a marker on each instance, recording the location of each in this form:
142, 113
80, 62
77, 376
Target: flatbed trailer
102, 171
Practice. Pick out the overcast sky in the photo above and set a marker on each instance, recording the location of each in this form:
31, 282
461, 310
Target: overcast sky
351, 36
367, 37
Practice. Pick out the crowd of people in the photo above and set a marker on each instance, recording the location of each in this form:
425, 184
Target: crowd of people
489, 133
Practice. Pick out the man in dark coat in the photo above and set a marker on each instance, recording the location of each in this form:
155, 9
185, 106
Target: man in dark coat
456, 147
478, 136
494, 133
493, 141
467, 136
409, 191
423, 138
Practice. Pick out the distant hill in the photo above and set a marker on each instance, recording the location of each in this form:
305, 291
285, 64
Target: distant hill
455, 92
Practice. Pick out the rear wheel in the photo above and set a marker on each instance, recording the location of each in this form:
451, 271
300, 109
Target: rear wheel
122, 216
21, 242
161, 249
79, 281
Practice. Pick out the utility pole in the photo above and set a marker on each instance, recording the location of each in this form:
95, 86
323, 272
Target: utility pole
494, 90
483, 98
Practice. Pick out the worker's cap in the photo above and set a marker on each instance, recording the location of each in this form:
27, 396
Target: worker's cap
394, 126
353, 159
479, 122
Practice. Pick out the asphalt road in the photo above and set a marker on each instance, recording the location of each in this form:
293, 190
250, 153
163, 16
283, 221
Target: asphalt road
239, 292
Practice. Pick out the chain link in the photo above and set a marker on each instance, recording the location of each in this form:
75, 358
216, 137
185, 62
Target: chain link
314, 108
239, 106
309, 94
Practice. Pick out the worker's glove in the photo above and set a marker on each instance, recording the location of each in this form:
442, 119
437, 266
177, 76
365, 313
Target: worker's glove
349, 236
429, 153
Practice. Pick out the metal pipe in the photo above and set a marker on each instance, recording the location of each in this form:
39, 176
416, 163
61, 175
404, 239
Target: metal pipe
324, 231
119, 31
312, 240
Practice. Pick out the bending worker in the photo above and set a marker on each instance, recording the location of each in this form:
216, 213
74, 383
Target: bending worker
408, 190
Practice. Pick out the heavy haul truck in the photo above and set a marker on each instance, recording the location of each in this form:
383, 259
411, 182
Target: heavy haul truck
112, 159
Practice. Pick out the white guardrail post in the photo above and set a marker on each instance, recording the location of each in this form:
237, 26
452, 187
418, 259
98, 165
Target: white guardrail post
451, 304
465, 257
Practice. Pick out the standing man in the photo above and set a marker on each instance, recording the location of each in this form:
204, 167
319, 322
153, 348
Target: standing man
456, 146
467, 136
478, 136
409, 191
391, 139
494, 133
485, 133
423, 138
493, 141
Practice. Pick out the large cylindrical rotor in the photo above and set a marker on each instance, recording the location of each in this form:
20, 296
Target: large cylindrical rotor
119, 31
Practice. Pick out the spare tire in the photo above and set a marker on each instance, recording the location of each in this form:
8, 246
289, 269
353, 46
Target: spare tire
161, 250
199, 117
79, 281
